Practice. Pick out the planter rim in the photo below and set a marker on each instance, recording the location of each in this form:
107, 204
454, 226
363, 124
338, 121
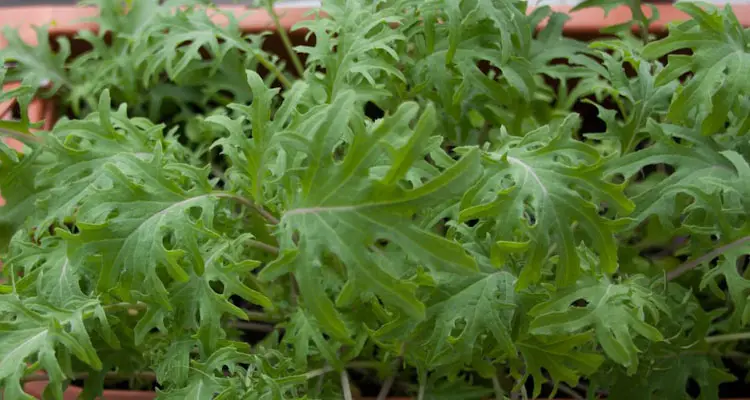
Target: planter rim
67, 20
72, 392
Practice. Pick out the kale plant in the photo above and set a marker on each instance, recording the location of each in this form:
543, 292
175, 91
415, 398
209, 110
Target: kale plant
445, 201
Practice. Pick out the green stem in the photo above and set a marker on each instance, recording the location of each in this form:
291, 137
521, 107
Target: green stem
250, 204
260, 317
345, 387
353, 364
637, 13
272, 68
21, 137
730, 337
263, 246
253, 326
499, 393
117, 307
570, 392
687, 266
420, 395
285, 39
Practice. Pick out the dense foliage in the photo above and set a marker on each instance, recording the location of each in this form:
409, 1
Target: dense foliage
421, 207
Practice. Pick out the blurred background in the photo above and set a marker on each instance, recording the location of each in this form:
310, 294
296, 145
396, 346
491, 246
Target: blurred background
312, 3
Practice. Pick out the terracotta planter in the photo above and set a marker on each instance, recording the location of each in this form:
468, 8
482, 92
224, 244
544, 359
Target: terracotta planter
68, 20
39, 110
37, 388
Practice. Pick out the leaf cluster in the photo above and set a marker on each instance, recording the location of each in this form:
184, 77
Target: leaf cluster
448, 200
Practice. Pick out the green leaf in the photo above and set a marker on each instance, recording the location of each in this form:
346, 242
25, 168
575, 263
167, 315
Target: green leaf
719, 64
206, 379
304, 331
332, 196
617, 312
44, 333
566, 358
701, 172
463, 323
536, 189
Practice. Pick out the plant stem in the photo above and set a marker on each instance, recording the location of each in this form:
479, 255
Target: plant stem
259, 316
689, 265
285, 38
422, 387
386, 388
250, 204
345, 387
253, 326
263, 246
730, 337
21, 137
570, 392
272, 68
637, 15
353, 364
318, 372
499, 393
319, 385
117, 307
388, 383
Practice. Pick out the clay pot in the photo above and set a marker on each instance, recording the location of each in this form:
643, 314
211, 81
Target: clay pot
39, 110
37, 388
68, 20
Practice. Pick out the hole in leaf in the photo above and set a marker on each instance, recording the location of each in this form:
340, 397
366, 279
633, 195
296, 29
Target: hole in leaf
693, 388
168, 239
580, 303
194, 214
618, 179
339, 152
459, 325
217, 286
112, 214
373, 112
507, 181
382, 243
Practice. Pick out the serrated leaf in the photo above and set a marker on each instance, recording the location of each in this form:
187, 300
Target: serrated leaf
563, 357
462, 323
616, 312
534, 190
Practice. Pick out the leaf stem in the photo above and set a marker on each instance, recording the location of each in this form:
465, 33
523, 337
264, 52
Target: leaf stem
250, 204
253, 326
270, 66
21, 137
570, 392
260, 317
263, 246
499, 392
689, 265
285, 38
637, 13
345, 387
117, 307
422, 387
730, 337
386, 388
